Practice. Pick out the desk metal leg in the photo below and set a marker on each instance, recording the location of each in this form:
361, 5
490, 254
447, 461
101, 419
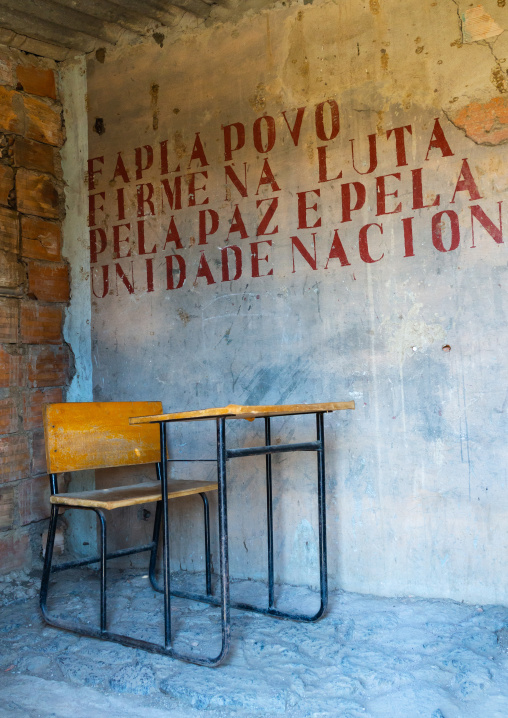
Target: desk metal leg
165, 537
223, 538
323, 578
269, 513
317, 446
323, 569
224, 559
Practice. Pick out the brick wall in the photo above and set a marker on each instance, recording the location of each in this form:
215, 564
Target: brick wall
35, 363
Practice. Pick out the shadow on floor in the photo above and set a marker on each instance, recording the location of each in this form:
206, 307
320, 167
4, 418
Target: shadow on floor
369, 657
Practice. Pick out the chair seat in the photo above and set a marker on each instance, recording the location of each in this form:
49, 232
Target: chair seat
119, 496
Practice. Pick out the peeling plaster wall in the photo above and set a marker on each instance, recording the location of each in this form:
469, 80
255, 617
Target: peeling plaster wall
386, 296
77, 326
75, 249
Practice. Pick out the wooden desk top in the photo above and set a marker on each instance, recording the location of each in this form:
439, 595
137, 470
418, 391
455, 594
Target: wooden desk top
235, 411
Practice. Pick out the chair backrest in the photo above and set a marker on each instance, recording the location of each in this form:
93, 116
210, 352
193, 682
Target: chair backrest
96, 435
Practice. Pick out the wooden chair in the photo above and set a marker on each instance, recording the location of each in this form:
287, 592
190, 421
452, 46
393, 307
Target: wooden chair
97, 435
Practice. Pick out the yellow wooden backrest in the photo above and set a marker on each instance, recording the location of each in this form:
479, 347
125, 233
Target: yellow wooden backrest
96, 435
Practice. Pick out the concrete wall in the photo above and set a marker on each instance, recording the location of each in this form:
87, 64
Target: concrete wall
308, 206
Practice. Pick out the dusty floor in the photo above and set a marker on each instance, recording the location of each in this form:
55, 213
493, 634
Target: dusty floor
378, 657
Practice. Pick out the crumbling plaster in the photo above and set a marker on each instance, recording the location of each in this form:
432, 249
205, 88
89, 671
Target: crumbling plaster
80, 533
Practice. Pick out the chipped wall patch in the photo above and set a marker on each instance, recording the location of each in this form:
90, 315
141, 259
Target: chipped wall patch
484, 123
477, 25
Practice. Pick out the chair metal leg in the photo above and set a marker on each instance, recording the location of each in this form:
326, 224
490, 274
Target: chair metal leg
156, 537
47, 569
161, 514
103, 565
102, 633
155, 546
208, 560
46, 572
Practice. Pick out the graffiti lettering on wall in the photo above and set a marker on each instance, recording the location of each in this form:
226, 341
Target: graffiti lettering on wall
158, 222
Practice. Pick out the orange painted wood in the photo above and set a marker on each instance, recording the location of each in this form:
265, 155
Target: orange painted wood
120, 496
235, 411
96, 435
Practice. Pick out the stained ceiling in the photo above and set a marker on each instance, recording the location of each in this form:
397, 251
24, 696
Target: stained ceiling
63, 28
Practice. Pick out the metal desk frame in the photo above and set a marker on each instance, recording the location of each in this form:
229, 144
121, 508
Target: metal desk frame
223, 455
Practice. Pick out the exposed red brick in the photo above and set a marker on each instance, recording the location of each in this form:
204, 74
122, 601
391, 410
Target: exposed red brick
38, 453
9, 312
43, 123
6, 184
11, 369
11, 272
11, 111
48, 366
14, 458
33, 155
40, 239
31, 124
41, 324
485, 123
8, 230
14, 551
8, 416
32, 499
49, 283
37, 81
6, 507
36, 193
33, 402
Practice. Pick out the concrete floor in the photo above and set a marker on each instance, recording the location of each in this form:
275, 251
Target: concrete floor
368, 657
